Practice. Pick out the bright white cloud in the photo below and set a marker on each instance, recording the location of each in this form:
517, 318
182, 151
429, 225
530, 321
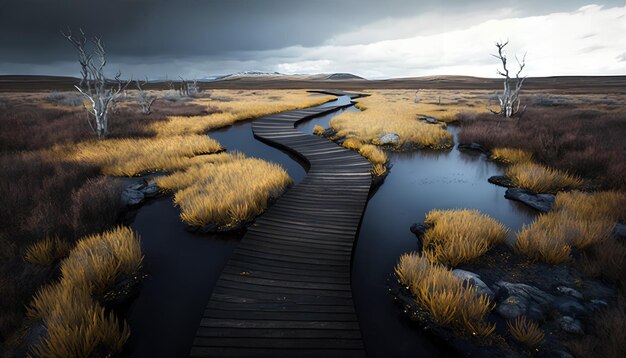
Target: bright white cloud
587, 41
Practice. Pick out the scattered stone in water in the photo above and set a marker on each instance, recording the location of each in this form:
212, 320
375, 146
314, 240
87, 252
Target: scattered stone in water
419, 229
540, 202
472, 146
430, 120
132, 197
150, 190
389, 138
328, 133
569, 291
501, 180
474, 280
571, 325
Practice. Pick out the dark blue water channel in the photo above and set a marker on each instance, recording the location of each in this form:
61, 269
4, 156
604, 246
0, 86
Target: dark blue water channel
184, 267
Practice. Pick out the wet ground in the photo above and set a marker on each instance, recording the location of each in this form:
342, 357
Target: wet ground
183, 267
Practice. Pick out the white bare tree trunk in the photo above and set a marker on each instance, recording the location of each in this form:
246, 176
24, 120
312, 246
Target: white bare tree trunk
144, 99
93, 84
509, 100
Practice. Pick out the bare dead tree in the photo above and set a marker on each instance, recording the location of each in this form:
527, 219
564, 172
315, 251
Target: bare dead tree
509, 100
188, 88
144, 98
100, 92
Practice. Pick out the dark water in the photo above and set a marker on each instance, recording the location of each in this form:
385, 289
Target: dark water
417, 183
184, 267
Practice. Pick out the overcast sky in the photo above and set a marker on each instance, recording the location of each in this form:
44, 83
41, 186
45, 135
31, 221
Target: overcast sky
374, 39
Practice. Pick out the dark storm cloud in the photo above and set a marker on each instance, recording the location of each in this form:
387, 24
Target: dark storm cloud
29, 29
163, 32
184, 28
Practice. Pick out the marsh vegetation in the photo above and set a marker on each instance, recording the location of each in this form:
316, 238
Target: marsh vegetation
68, 189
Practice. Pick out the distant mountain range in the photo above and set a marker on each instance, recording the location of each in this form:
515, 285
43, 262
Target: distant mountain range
342, 81
278, 75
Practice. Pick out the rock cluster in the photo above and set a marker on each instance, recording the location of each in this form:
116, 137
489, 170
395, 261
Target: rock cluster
540, 202
136, 194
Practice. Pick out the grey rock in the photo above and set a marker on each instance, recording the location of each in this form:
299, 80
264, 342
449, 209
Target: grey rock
515, 299
571, 325
389, 138
569, 291
132, 197
419, 229
540, 202
328, 133
474, 280
137, 186
501, 180
620, 230
472, 146
513, 306
430, 120
596, 305
569, 306
150, 190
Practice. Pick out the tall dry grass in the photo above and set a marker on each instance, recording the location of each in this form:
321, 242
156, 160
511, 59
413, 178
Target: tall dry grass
577, 220
511, 155
459, 236
241, 106
229, 190
132, 157
46, 251
541, 179
389, 112
76, 325
526, 331
444, 296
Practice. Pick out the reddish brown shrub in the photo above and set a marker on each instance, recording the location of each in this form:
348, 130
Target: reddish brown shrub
589, 143
96, 205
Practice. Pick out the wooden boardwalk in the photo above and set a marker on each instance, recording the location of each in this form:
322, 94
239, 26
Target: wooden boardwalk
286, 290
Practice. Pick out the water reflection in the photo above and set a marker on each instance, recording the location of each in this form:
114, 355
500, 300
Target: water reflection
418, 182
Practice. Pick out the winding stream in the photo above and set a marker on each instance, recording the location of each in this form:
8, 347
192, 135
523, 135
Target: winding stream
183, 267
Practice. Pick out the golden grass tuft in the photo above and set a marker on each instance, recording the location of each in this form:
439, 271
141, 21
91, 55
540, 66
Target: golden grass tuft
444, 296
379, 169
242, 105
77, 325
230, 190
541, 179
352, 144
318, 130
99, 260
511, 156
46, 251
373, 154
526, 331
389, 112
577, 220
131, 157
459, 236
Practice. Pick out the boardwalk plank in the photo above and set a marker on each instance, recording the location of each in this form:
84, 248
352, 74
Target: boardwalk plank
285, 292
